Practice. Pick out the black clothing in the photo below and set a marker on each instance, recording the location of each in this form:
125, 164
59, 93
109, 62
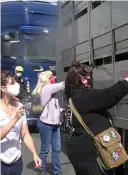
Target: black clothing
12, 169
92, 104
23, 91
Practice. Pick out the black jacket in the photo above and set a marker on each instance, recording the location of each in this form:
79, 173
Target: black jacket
92, 104
23, 91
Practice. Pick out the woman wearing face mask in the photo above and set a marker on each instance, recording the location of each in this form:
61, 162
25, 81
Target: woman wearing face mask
48, 124
13, 128
92, 104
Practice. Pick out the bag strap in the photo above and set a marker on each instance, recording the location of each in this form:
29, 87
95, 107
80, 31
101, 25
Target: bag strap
110, 119
37, 96
47, 103
80, 119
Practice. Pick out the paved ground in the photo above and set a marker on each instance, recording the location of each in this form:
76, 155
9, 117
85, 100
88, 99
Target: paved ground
28, 164
65, 164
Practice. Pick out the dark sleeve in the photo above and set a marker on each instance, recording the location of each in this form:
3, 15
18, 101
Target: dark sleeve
100, 99
23, 91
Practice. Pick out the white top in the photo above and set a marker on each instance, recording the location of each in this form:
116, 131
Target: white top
11, 145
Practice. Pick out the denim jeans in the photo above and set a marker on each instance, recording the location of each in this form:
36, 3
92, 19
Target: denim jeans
50, 135
12, 169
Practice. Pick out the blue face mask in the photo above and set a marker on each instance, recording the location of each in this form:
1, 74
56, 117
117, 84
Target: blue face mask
19, 75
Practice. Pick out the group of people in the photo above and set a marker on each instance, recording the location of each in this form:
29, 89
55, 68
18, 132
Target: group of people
92, 104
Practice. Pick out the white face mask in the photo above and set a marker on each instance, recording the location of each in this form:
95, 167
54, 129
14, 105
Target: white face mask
19, 75
13, 89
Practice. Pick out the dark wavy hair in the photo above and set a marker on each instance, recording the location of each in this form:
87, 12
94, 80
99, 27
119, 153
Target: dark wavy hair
5, 76
73, 79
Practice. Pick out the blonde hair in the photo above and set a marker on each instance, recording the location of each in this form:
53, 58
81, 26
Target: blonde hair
43, 79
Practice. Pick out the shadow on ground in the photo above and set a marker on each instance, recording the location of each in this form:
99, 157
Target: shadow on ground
30, 165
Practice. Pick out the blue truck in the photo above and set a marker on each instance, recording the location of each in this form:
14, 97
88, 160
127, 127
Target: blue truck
28, 39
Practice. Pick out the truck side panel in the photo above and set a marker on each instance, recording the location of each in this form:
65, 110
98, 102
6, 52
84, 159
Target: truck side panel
96, 31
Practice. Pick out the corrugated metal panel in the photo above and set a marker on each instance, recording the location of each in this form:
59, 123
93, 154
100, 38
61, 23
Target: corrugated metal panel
80, 6
102, 41
68, 53
121, 33
67, 62
76, 2
82, 28
66, 37
83, 57
65, 9
102, 51
67, 17
82, 48
67, 14
100, 20
122, 45
119, 13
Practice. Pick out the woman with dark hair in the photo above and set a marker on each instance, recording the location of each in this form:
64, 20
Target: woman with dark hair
13, 128
92, 104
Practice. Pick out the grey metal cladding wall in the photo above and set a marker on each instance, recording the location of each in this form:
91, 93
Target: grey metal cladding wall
66, 17
82, 48
75, 33
100, 20
62, 3
66, 27
66, 13
76, 2
66, 38
67, 56
82, 32
121, 38
102, 41
68, 53
103, 52
82, 25
102, 45
121, 33
66, 8
119, 13
81, 5
122, 47
67, 62
83, 57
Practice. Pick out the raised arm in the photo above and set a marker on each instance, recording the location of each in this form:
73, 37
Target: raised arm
48, 90
99, 99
